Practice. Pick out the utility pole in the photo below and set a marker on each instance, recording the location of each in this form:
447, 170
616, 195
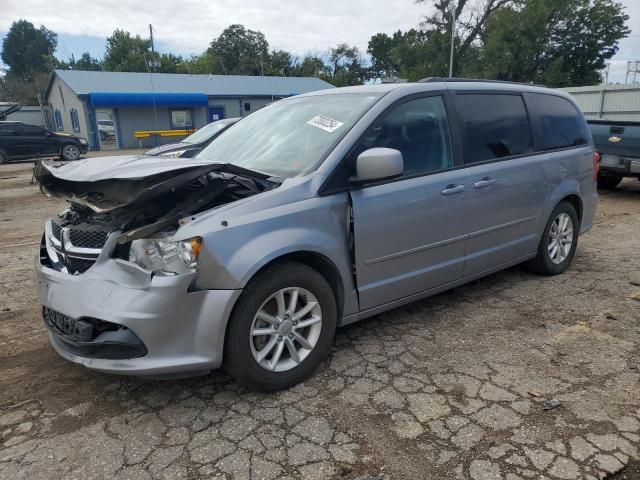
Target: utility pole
153, 51
453, 40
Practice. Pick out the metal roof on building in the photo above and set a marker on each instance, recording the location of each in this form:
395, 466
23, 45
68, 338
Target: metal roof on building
84, 82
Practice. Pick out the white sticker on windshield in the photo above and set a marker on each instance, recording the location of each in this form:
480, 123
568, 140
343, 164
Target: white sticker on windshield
325, 123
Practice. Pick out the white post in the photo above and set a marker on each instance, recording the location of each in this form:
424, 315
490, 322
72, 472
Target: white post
453, 40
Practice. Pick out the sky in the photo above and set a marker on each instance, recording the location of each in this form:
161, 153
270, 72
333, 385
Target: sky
299, 26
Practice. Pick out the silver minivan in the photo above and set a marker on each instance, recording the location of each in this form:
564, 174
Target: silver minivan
312, 213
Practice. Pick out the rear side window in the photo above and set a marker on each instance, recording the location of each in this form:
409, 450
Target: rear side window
495, 126
8, 130
561, 124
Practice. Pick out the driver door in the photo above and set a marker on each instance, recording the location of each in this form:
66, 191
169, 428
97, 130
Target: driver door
411, 232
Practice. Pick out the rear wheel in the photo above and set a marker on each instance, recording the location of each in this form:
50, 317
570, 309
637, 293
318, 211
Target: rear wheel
70, 152
558, 243
281, 329
608, 182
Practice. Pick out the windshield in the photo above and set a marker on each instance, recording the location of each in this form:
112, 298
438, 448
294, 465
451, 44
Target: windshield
205, 133
290, 137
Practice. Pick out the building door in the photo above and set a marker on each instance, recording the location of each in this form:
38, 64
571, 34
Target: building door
107, 128
215, 113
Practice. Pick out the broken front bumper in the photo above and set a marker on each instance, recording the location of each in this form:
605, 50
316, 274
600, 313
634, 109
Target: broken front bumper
182, 331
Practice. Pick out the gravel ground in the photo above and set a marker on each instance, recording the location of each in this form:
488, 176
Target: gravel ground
449, 387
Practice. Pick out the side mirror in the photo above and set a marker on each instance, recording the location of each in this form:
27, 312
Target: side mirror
377, 164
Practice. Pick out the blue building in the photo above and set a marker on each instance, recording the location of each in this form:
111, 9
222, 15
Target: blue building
108, 107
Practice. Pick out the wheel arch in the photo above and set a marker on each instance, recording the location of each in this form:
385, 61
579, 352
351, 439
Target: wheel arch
568, 191
320, 263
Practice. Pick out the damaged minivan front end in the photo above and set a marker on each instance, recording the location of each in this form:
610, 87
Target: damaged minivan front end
116, 277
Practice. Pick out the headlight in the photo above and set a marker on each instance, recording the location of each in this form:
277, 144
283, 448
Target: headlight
164, 256
82, 141
177, 153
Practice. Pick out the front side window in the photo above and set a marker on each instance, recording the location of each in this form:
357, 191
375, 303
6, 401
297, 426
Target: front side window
419, 130
495, 126
291, 137
181, 119
31, 131
562, 125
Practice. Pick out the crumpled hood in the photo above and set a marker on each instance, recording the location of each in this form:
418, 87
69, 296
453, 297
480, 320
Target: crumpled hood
170, 147
122, 167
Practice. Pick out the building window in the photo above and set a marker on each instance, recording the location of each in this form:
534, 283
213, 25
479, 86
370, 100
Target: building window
58, 119
181, 119
247, 107
75, 123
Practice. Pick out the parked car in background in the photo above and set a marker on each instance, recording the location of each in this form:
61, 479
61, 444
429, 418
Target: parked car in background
107, 129
619, 144
314, 212
195, 142
19, 141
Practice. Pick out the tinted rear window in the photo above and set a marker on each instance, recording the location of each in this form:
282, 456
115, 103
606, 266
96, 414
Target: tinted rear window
560, 122
495, 126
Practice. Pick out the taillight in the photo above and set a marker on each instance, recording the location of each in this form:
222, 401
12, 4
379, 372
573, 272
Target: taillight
596, 164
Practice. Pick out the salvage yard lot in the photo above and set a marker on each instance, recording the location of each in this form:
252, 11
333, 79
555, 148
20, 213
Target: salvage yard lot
449, 387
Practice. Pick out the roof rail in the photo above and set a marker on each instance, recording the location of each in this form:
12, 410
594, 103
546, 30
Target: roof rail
475, 80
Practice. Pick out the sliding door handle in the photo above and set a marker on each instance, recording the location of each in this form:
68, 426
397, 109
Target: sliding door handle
452, 189
484, 183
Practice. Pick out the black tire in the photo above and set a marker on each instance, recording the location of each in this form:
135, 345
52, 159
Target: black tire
66, 155
3, 157
542, 264
238, 357
608, 182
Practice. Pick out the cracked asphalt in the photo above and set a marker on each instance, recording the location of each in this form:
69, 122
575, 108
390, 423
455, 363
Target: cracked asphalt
452, 387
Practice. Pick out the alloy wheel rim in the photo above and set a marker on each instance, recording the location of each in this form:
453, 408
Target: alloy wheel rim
71, 152
560, 238
286, 329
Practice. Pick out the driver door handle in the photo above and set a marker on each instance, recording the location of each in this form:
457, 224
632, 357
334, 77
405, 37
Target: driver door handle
451, 189
484, 183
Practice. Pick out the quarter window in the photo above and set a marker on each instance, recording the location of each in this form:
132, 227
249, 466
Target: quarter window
495, 126
561, 124
419, 129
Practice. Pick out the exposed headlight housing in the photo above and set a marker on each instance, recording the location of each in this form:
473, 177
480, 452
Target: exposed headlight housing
163, 256
177, 153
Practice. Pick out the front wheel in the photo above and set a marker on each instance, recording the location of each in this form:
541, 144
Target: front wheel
70, 152
281, 329
558, 243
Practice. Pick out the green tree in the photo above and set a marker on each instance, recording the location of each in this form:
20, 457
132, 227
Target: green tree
126, 53
85, 62
345, 66
28, 50
239, 51
282, 63
471, 18
555, 42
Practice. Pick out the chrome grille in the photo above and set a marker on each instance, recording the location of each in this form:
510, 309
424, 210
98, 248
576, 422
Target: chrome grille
73, 250
87, 238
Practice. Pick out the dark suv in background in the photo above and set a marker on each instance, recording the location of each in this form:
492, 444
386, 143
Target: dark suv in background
19, 140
